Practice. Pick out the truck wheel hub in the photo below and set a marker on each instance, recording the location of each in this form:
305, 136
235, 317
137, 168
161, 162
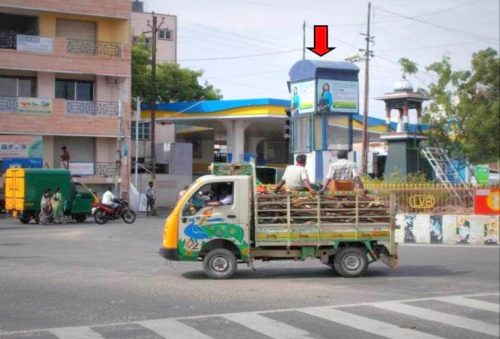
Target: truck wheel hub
220, 264
352, 262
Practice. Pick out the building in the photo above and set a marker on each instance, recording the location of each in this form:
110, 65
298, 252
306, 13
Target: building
166, 40
65, 70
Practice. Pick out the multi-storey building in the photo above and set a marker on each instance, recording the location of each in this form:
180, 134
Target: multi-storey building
65, 71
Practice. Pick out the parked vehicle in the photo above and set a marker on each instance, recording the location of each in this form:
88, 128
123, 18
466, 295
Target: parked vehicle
346, 232
24, 188
103, 213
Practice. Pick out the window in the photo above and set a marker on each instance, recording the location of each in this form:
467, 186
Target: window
165, 34
11, 86
144, 128
214, 194
74, 90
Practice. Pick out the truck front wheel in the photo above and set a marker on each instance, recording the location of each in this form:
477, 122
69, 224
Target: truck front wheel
220, 263
351, 262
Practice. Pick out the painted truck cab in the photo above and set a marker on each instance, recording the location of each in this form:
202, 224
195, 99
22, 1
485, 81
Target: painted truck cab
201, 222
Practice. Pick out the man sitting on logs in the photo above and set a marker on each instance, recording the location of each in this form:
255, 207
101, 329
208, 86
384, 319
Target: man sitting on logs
344, 174
295, 177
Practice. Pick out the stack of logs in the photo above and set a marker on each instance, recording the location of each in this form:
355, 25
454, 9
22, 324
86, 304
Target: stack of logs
340, 207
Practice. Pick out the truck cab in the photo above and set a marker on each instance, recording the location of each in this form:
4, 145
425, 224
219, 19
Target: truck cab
221, 220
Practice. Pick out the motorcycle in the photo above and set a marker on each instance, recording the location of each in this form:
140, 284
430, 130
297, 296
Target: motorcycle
103, 213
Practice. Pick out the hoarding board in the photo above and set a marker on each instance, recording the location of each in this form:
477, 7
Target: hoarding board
337, 96
303, 97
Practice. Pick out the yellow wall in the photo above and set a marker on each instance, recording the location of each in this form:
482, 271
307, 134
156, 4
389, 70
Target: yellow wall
110, 30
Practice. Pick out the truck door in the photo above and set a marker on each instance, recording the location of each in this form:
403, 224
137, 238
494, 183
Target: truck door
214, 211
14, 190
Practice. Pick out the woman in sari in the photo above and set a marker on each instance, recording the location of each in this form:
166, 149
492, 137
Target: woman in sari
57, 206
46, 208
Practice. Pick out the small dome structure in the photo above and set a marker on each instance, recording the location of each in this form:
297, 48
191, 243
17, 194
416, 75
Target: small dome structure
403, 85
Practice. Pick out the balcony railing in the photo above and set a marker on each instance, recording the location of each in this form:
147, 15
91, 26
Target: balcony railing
109, 108
8, 40
26, 105
92, 47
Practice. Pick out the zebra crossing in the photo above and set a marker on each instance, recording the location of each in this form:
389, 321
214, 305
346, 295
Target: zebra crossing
468, 316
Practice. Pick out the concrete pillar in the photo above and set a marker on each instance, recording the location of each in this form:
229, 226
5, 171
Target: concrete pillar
387, 117
235, 131
405, 117
400, 127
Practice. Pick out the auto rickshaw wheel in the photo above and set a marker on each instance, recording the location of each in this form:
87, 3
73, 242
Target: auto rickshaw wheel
81, 217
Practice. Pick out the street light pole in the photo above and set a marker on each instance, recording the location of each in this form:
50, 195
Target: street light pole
154, 32
365, 141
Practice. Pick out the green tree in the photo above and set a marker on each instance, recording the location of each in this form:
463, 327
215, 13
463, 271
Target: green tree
464, 111
407, 66
173, 82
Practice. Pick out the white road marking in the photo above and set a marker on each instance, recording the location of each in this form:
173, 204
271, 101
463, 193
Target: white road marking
268, 327
75, 333
366, 324
473, 303
440, 317
174, 329
169, 328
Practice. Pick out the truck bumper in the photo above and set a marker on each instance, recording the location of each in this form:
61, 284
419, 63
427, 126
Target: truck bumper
170, 254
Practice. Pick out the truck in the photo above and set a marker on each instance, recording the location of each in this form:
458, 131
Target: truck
344, 230
24, 188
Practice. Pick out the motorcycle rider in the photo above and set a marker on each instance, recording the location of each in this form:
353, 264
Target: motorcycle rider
108, 198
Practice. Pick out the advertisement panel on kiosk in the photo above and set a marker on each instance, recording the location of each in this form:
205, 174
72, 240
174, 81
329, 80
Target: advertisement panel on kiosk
303, 97
337, 96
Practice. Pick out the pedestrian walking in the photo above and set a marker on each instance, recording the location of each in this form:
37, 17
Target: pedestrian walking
58, 206
151, 199
46, 214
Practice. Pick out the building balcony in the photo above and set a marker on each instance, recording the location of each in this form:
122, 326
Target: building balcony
40, 116
110, 9
35, 53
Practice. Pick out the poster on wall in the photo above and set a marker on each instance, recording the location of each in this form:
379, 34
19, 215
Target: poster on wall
20, 146
487, 201
34, 43
302, 97
409, 228
491, 231
470, 229
436, 233
337, 96
422, 228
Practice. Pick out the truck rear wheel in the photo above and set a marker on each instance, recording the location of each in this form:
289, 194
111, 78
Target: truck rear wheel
220, 263
25, 219
81, 217
351, 262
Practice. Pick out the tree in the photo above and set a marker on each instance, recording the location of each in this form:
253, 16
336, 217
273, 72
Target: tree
464, 111
407, 66
173, 82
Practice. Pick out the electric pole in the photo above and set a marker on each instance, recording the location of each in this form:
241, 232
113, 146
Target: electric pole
368, 54
154, 31
304, 40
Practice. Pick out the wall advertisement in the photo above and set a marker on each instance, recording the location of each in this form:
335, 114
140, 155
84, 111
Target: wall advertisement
303, 96
21, 146
34, 105
337, 96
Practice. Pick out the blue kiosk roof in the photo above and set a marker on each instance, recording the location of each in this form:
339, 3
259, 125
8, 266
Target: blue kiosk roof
311, 69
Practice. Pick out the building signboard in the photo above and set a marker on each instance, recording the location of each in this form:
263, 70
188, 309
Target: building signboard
34, 105
81, 168
33, 43
482, 174
20, 146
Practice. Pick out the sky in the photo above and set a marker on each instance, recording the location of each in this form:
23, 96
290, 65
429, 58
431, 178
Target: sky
247, 47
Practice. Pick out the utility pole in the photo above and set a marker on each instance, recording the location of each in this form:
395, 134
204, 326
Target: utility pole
304, 40
154, 31
368, 54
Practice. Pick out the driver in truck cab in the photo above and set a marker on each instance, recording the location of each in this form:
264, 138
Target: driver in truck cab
296, 177
226, 199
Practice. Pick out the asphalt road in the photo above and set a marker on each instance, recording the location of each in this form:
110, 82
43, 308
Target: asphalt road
90, 281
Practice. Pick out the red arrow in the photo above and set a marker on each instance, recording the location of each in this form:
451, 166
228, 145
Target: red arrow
321, 41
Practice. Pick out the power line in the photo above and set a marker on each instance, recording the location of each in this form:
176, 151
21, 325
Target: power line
242, 56
448, 29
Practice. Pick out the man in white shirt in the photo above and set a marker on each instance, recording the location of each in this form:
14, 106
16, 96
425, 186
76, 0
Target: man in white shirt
342, 170
296, 177
108, 197
227, 199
